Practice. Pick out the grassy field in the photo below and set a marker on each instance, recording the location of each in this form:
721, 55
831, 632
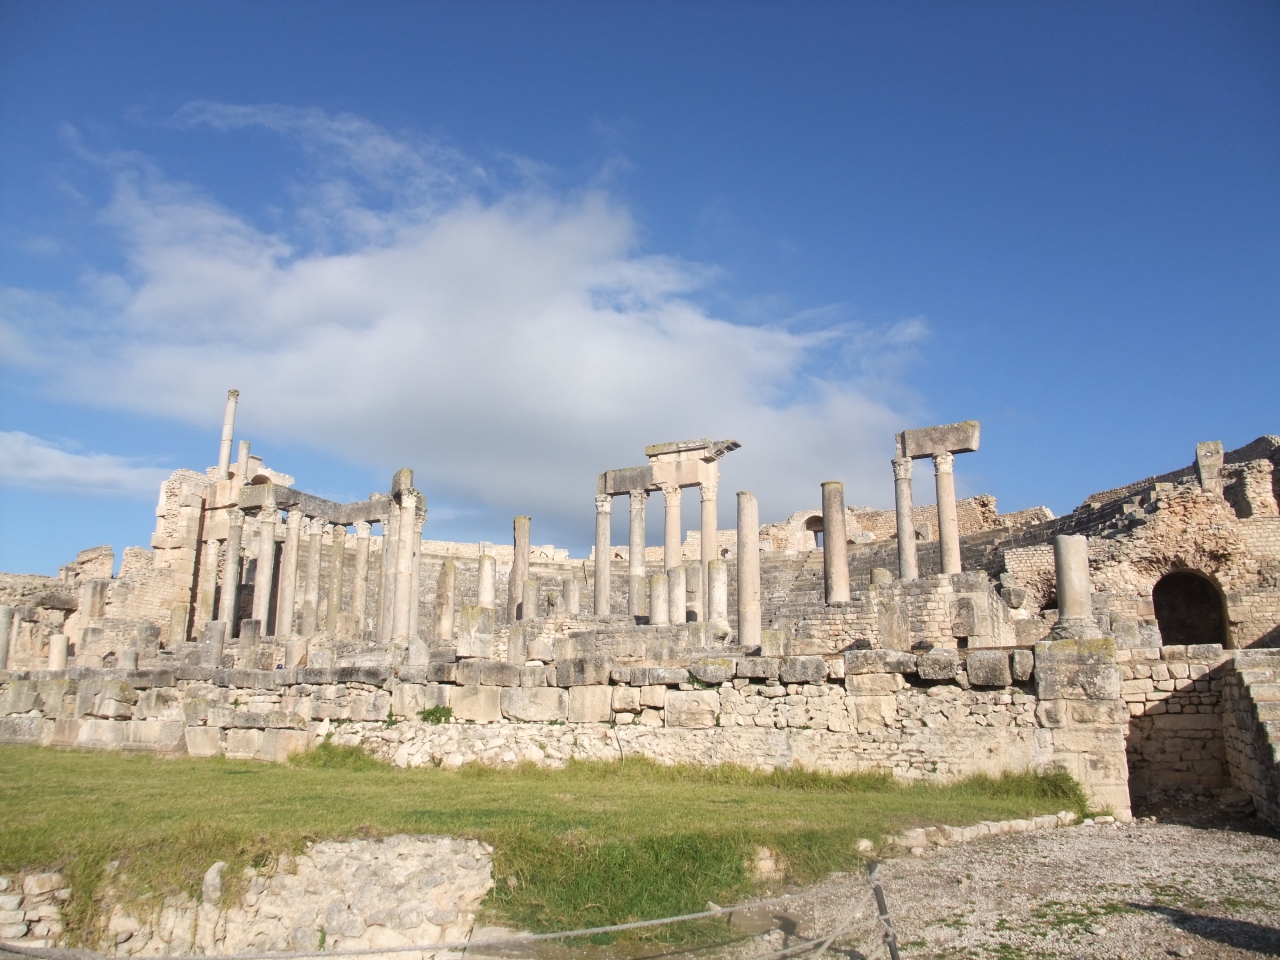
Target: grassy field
589, 845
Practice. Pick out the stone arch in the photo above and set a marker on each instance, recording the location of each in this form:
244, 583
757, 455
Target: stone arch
1190, 608
813, 527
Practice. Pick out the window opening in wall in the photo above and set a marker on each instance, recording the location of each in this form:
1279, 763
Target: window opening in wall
1189, 609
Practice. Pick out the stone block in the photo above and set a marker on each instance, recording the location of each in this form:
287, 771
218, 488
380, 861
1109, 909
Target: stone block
583, 671
960, 437
1023, 665
1204, 651
878, 661
626, 699
277, 745
758, 668
479, 646
873, 684
577, 645
938, 664
590, 704
1077, 670
532, 704
474, 623
712, 671
243, 744
542, 649
692, 708
534, 676
494, 673
203, 742
653, 696
649, 676
478, 703
988, 668
803, 670
468, 672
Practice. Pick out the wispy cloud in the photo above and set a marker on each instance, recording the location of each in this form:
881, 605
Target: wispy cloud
509, 342
31, 463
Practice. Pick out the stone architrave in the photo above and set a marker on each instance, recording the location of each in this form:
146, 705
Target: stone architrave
604, 551
228, 433
940, 443
635, 554
231, 566
264, 574
519, 570
677, 594
748, 570
718, 593
446, 584
58, 651
360, 585
207, 584
488, 592
659, 600
285, 602
908, 565
672, 550
835, 548
6, 628
311, 585
337, 560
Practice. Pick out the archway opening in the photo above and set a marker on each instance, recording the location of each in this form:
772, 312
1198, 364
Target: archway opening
1189, 609
814, 526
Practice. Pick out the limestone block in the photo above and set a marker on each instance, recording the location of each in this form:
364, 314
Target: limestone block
590, 704
278, 745
167, 736
803, 670
468, 672
1077, 670
1024, 662
716, 670
535, 676
440, 671
583, 671
649, 676
960, 437
988, 668
543, 650
873, 684
878, 661
577, 644
242, 744
533, 704
875, 710
938, 665
474, 702
479, 646
692, 708
203, 741
653, 696
626, 699
474, 622
758, 668
496, 674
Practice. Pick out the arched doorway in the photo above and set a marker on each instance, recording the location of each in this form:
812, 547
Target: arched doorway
1189, 609
814, 528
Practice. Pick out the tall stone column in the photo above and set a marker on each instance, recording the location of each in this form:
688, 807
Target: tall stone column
390, 560
264, 575
718, 594
228, 433
672, 554
337, 560
659, 600
748, 570
404, 569
835, 546
678, 593
1071, 563
604, 552
635, 555
415, 571
519, 571
311, 587
288, 574
710, 542
908, 566
207, 585
6, 628
242, 463
231, 568
360, 588
948, 526
488, 594
445, 586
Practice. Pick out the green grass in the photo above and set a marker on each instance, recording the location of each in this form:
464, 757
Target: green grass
590, 845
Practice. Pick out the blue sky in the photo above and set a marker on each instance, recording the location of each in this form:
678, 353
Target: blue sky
508, 244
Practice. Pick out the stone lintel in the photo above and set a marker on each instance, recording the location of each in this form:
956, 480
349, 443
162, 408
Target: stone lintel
705, 449
947, 438
258, 495
615, 482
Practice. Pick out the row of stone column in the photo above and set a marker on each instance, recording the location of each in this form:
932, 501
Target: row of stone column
948, 525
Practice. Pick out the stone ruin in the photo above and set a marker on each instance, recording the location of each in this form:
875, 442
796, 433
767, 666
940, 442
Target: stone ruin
1132, 642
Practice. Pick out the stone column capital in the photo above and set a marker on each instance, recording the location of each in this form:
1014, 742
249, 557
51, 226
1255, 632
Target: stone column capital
709, 490
315, 527
235, 517
944, 462
363, 529
233, 394
294, 518
604, 503
638, 497
670, 490
901, 468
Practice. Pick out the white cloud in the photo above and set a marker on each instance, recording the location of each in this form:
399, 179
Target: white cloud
34, 464
509, 343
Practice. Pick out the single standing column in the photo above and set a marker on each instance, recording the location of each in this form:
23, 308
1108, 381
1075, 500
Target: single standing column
311, 588
404, 569
228, 432
948, 527
718, 591
288, 574
207, 585
908, 568
519, 571
748, 570
488, 598
835, 547
390, 559
231, 568
678, 594
242, 463
445, 586
672, 555
1071, 561
659, 601
573, 595
265, 572
415, 573
360, 588
529, 608
58, 651
6, 627
710, 543
604, 551
337, 560
635, 554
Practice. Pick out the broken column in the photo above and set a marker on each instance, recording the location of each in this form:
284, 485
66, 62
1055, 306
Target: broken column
519, 571
488, 598
58, 651
908, 567
835, 548
1071, 564
288, 573
604, 510
445, 586
672, 554
635, 554
6, 628
311, 586
264, 572
573, 595
231, 566
207, 585
659, 600
242, 463
748, 570
390, 557
718, 594
228, 433
337, 556
360, 586
678, 594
